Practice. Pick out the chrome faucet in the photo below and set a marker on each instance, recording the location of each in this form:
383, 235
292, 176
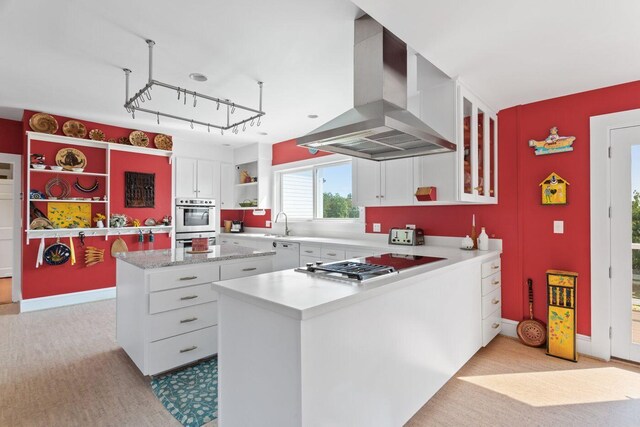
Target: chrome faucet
286, 223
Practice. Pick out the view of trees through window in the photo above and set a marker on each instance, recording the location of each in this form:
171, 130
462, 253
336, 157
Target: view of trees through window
321, 192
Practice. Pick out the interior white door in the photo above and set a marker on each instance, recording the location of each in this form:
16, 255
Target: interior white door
208, 178
366, 182
625, 243
397, 182
186, 180
6, 227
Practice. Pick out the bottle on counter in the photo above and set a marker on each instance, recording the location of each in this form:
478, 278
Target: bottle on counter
474, 235
483, 240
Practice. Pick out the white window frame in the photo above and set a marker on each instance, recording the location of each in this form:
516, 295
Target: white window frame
311, 164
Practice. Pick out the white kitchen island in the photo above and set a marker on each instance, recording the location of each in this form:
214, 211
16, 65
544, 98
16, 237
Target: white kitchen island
298, 350
166, 307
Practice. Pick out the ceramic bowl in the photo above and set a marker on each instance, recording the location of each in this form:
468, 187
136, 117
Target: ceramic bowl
77, 169
55, 168
38, 166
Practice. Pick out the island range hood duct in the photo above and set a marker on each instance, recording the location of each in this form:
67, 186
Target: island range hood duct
379, 127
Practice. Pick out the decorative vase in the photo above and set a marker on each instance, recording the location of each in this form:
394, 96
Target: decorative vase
100, 224
483, 240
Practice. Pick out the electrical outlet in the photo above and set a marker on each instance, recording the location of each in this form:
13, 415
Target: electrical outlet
411, 226
376, 228
558, 227
267, 223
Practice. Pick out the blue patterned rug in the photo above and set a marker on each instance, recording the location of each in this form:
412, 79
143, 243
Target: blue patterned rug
190, 395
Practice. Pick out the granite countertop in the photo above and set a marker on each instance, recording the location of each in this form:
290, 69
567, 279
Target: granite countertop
174, 257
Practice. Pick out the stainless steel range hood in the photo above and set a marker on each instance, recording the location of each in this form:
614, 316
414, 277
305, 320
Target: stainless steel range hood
379, 127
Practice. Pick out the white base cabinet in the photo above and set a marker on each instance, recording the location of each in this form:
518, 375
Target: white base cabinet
491, 300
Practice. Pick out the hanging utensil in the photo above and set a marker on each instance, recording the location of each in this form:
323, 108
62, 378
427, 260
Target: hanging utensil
118, 246
39, 257
73, 252
530, 331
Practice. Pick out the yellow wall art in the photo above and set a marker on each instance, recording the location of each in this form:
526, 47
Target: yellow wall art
554, 190
562, 321
70, 215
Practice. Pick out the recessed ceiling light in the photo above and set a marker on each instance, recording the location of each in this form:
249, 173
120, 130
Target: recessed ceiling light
313, 116
198, 77
262, 133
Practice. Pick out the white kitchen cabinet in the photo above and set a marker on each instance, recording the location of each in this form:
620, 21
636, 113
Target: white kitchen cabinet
197, 178
491, 305
227, 175
386, 183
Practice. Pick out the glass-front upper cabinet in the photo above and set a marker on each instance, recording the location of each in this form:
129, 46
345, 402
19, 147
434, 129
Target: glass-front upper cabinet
478, 153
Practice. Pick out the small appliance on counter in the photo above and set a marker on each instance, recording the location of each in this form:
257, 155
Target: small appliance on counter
237, 227
406, 236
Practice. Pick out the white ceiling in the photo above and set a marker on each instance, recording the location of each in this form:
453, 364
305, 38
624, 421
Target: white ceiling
66, 57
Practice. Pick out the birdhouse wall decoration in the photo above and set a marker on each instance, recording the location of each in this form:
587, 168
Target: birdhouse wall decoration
553, 144
554, 190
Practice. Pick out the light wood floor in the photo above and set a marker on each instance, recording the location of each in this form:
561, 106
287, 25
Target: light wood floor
5, 290
62, 367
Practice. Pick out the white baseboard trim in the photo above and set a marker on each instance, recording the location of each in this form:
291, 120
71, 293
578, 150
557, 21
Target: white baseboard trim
44, 303
583, 342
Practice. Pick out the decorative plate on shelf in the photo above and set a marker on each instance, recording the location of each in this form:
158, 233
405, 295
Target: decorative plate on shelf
112, 140
163, 142
139, 138
74, 129
97, 135
45, 123
70, 158
124, 140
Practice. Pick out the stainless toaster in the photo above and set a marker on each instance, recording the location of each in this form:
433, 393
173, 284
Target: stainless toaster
406, 236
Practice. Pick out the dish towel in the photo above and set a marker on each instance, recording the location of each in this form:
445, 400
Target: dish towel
39, 258
73, 252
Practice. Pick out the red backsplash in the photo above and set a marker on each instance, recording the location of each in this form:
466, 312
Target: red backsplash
250, 220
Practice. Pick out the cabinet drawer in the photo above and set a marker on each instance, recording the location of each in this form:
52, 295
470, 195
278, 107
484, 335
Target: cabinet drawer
348, 254
490, 267
172, 352
249, 267
181, 297
182, 320
491, 283
491, 302
333, 254
311, 251
181, 277
491, 326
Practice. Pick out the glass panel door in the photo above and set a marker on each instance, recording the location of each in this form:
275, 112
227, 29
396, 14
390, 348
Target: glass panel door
467, 137
492, 158
481, 153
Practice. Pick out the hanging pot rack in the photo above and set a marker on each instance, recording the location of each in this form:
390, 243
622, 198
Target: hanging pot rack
134, 103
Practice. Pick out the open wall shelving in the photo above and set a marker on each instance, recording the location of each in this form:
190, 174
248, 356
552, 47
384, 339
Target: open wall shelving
99, 170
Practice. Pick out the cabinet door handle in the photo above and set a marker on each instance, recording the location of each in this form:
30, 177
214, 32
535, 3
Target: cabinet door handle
308, 252
188, 278
382, 196
236, 243
495, 325
495, 267
193, 319
184, 350
249, 269
188, 297
495, 282
377, 197
495, 301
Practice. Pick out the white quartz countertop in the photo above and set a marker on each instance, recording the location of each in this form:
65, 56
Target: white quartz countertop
173, 257
302, 296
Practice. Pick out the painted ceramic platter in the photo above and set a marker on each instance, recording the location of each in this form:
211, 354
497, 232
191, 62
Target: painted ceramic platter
57, 254
163, 142
45, 123
139, 138
124, 140
70, 158
74, 129
150, 222
97, 135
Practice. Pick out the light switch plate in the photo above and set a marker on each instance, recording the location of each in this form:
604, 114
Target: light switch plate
558, 227
267, 223
411, 226
376, 228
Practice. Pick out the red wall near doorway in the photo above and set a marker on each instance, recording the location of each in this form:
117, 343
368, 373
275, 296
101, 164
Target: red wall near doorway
10, 136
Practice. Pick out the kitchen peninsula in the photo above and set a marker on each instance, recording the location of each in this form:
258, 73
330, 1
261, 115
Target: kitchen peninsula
167, 312
302, 350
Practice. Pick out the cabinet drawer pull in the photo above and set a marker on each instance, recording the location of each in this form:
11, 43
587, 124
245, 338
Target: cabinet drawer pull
495, 301
189, 278
236, 243
382, 196
331, 254
495, 282
495, 325
193, 319
188, 297
184, 350
308, 252
249, 269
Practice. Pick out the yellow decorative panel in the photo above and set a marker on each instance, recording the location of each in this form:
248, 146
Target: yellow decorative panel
70, 215
562, 321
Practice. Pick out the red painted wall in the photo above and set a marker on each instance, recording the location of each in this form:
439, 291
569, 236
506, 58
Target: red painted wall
250, 220
10, 136
53, 280
288, 151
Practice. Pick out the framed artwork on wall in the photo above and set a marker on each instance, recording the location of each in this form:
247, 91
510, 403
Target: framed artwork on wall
554, 190
139, 190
